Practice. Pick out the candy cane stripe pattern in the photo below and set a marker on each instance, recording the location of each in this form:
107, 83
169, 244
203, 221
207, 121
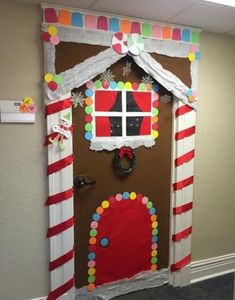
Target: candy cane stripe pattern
119, 43
135, 44
60, 203
182, 189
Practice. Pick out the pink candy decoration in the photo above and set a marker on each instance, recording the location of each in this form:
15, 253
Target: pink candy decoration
145, 200
91, 264
119, 197
54, 40
94, 225
135, 86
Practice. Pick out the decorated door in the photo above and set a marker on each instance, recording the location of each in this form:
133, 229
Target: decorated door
121, 220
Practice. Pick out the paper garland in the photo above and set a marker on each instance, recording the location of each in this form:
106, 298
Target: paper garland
104, 242
113, 24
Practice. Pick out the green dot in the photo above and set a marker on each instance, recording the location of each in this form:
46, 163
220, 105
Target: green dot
88, 110
93, 232
195, 38
91, 279
98, 84
154, 260
146, 29
142, 87
149, 204
120, 85
155, 231
155, 112
88, 127
57, 79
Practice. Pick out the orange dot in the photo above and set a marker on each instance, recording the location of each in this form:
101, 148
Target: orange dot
91, 287
191, 99
88, 101
154, 119
99, 210
92, 241
154, 267
153, 218
148, 86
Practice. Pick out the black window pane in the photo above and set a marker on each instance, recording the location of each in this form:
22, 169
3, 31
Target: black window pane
116, 126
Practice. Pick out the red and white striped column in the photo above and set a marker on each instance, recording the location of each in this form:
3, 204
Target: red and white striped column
182, 193
60, 202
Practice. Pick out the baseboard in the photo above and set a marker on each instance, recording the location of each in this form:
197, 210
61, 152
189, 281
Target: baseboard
212, 267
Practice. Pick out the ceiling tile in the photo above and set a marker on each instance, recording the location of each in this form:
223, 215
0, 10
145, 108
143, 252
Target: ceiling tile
207, 16
159, 10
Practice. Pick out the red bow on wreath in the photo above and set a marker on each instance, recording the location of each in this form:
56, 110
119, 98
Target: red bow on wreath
126, 151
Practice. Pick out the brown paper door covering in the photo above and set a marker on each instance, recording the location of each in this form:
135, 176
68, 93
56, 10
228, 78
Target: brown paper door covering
151, 176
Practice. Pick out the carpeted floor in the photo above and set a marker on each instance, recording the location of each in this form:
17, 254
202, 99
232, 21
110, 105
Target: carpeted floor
219, 288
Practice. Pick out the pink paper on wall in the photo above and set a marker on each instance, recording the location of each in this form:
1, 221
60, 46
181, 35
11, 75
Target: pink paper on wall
50, 15
176, 34
91, 21
102, 23
135, 27
157, 31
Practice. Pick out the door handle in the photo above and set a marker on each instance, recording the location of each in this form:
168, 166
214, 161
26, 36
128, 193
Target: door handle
81, 181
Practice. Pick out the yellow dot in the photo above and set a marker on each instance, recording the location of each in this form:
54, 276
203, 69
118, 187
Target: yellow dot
191, 56
48, 77
88, 101
105, 204
154, 224
154, 253
128, 85
91, 287
132, 195
91, 271
52, 30
28, 100
155, 134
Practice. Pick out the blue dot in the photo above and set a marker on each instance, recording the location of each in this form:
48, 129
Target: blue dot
95, 217
89, 93
104, 242
189, 92
155, 87
154, 239
113, 85
91, 256
198, 55
125, 195
88, 135
152, 211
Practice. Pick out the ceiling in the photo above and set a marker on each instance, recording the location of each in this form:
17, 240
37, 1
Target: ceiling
196, 13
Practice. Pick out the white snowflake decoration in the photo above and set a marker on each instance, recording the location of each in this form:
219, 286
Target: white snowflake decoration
165, 98
147, 79
126, 69
78, 99
107, 76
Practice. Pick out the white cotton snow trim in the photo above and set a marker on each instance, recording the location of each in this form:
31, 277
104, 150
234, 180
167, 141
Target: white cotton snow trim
112, 144
81, 73
143, 280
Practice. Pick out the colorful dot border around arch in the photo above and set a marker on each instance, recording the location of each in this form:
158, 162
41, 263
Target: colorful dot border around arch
78, 19
120, 85
94, 225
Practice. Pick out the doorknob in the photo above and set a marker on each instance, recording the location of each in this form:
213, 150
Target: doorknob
81, 181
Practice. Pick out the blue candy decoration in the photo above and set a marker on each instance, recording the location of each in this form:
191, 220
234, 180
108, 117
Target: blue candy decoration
152, 211
91, 256
154, 239
125, 195
89, 93
88, 135
113, 85
95, 217
104, 242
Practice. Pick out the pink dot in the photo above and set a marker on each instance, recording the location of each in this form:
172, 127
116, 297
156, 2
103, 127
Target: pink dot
105, 84
119, 197
155, 103
145, 200
88, 118
155, 126
154, 246
94, 225
90, 84
91, 264
135, 86
155, 96
193, 48
52, 85
54, 40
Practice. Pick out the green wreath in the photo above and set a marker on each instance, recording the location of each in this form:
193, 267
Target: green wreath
130, 155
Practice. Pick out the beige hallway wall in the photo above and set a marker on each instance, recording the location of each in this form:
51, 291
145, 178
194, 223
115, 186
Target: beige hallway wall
23, 184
